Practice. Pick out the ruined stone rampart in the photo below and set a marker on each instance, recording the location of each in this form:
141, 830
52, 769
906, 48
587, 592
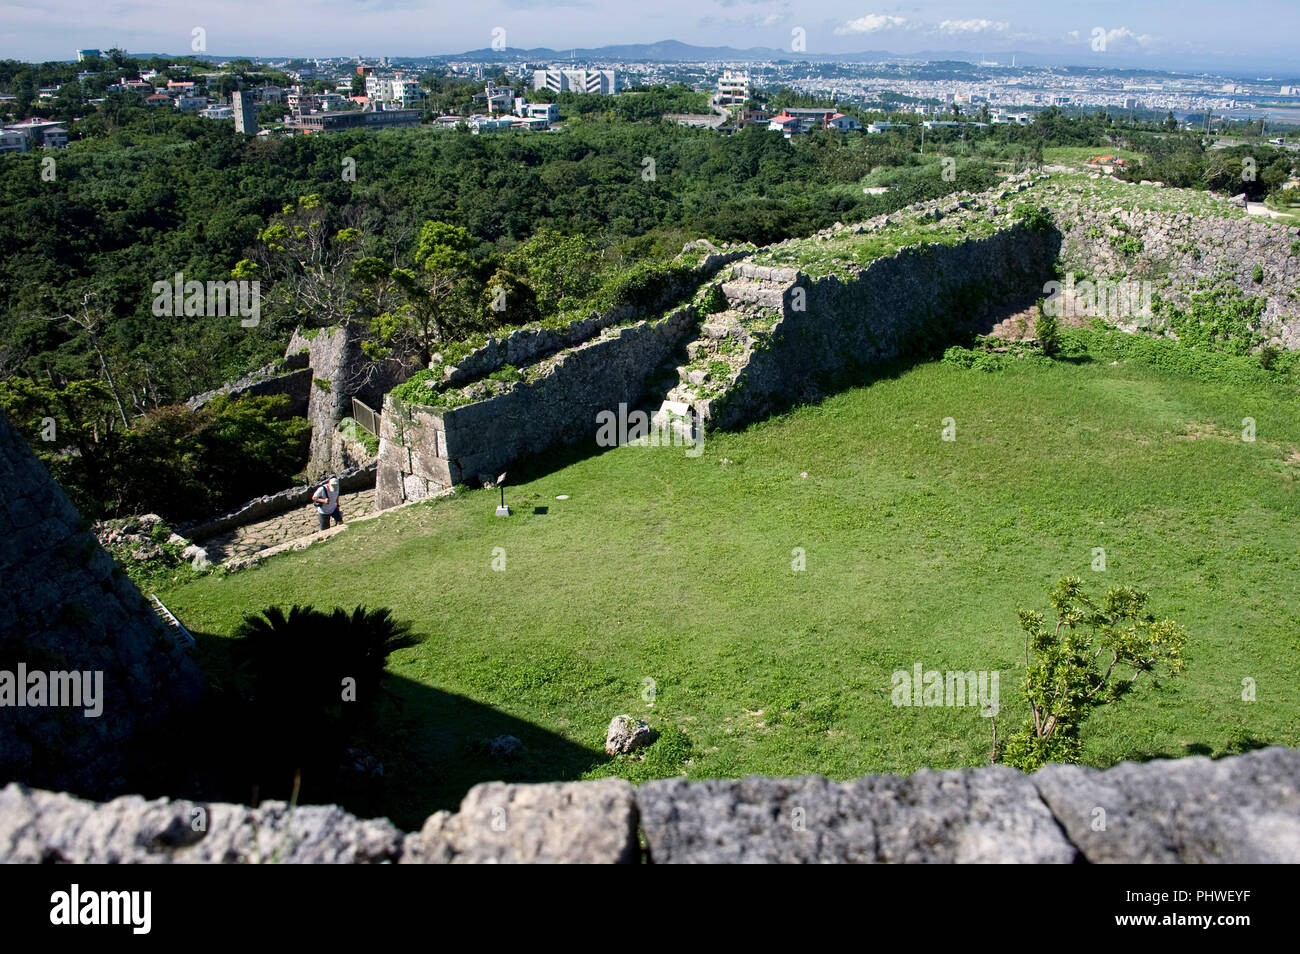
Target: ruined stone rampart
787, 334
832, 325
423, 449
1177, 250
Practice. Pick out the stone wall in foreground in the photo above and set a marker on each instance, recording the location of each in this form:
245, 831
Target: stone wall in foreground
65, 607
1244, 808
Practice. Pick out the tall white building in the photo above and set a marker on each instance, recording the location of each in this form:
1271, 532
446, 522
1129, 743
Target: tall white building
245, 111
576, 81
733, 88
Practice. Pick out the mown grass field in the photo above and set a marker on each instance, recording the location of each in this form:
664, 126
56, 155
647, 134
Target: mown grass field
677, 570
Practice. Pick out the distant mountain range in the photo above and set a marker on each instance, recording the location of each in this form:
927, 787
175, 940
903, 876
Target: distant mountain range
675, 51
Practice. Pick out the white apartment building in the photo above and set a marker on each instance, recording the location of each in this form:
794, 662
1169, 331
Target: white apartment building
576, 81
733, 88
498, 98
547, 111
404, 90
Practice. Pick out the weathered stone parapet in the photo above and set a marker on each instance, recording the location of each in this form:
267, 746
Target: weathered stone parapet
1245, 808
52, 828
525, 346
556, 822
979, 816
270, 381
1176, 250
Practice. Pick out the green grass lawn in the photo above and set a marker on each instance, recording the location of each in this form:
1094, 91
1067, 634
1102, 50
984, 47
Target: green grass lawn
677, 570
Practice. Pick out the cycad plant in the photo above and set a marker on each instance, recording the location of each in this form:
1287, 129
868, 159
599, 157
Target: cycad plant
312, 680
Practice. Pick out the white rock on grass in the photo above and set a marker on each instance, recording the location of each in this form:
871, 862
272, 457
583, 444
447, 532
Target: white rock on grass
627, 735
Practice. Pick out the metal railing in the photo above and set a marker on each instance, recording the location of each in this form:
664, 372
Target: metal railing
366, 417
183, 635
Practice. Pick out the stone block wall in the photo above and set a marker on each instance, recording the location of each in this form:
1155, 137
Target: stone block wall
270, 381
1178, 249
526, 346
1241, 809
830, 325
351, 480
332, 355
423, 449
65, 606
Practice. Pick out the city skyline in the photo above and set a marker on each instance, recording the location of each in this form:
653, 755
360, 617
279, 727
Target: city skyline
1106, 34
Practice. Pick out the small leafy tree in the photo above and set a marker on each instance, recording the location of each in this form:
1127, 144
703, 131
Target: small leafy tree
309, 261
560, 268
508, 300
1092, 655
435, 295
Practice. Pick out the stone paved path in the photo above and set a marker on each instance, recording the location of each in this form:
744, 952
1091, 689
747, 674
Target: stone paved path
248, 540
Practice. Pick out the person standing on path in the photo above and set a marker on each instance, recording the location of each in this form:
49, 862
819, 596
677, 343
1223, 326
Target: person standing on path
326, 499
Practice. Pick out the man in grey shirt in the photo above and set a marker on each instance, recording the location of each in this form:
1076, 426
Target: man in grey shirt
326, 499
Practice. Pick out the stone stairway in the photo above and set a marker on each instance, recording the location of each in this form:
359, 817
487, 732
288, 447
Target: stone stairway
708, 368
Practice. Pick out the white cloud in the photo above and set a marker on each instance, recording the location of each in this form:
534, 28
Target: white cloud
1121, 38
1125, 35
973, 26
873, 23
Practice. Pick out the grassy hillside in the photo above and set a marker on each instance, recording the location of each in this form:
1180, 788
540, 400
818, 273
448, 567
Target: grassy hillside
677, 570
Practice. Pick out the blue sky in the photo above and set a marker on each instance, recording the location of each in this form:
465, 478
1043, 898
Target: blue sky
1258, 34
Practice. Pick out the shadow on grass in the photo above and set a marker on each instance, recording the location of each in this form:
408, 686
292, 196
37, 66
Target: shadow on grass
433, 746
1237, 744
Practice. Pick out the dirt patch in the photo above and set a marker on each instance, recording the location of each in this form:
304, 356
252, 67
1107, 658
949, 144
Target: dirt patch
1019, 324
1199, 431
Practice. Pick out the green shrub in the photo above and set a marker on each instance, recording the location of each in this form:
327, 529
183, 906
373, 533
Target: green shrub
508, 300
1036, 219
647, 286
1128, 244
309, 681
1047, 331
507, 374
416, 389
714, 300
960, 357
